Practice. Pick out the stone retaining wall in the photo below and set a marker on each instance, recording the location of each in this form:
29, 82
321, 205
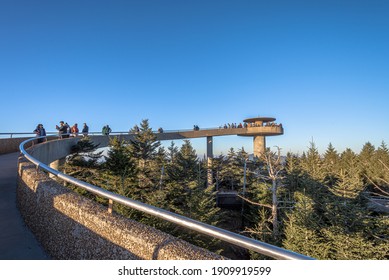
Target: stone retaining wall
70, 226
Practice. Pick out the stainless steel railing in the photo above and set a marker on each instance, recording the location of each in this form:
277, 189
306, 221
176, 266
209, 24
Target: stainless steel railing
221, 234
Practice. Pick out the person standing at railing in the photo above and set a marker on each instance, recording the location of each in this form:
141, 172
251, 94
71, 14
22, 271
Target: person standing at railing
68, 129
85, 130
106, 130
62, 130
74, 130
40, 131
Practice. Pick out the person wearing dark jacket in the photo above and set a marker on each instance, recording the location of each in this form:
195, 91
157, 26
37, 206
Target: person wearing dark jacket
39, 132
62, 130
106, 130
85, 130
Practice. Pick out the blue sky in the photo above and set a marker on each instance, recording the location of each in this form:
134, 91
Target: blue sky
320, 67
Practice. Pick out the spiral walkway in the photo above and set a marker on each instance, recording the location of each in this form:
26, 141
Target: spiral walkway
16, 240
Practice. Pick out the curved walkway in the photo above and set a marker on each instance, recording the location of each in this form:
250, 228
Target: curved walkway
16, 240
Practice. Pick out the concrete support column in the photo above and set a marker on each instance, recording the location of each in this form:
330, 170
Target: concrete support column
56, 164
259, 145
209, 160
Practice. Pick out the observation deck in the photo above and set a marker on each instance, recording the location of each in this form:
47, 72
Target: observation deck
258, 128
210, 132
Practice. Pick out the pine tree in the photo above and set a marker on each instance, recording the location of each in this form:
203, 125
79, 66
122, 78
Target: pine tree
187, 194
381, 159
84, 163
84, 153
330, 166
311, 163
144, 150
366, 159
349, 183
231, 175
217, 167
172, 152
302, 229
121, 165
183, 176
349, 176
293, 179
187, 163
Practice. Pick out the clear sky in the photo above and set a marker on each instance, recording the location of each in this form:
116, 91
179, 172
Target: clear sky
320, 67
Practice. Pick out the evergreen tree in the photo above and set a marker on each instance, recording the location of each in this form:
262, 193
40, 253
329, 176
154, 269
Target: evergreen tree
144, 150
302, 229
330, 166
231, 175
382, 153
84, 164
84, 153
294, 173
183, 178
312, 164
121, 165
347, 158
187, 164
380, 165
366, 158
187, 194
217, 167
349, 183
172, 152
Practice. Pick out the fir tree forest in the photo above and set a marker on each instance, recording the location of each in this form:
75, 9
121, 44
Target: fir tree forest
320, 205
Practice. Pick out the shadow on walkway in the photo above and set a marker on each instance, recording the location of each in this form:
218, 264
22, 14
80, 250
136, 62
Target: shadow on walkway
16, 240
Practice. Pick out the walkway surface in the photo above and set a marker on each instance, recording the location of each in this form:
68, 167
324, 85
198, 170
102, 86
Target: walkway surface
16, 240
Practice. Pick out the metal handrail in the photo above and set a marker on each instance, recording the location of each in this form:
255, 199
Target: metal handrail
233, 238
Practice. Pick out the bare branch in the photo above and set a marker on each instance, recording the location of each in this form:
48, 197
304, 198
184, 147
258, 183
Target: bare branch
384, 164
290, 207
255, 203
375, 185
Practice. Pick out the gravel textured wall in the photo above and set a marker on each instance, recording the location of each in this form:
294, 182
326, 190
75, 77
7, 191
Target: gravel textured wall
70, 226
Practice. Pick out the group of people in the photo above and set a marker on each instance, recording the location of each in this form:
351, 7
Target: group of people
106, 130
272, 124
234, 125
66, 131
245, 125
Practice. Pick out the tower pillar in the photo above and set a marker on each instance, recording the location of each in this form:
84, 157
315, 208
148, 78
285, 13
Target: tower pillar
209, 160
259, 145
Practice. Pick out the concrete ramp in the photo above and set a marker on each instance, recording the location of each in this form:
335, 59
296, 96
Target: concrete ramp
16, 240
